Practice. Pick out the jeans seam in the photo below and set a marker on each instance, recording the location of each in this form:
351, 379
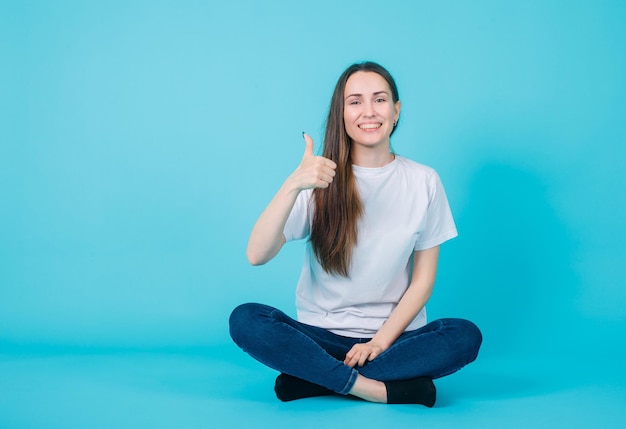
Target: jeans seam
350, 383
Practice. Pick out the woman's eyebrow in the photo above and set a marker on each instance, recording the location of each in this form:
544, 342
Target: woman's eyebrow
361, 95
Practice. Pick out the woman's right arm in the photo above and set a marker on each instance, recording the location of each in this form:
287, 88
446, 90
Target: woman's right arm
267, 236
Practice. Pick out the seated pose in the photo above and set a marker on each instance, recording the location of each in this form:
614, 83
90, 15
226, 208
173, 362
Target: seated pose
374, 222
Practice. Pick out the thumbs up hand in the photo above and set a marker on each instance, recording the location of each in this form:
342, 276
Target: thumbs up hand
313, 171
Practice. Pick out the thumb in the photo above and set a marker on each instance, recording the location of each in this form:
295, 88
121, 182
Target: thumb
308, 145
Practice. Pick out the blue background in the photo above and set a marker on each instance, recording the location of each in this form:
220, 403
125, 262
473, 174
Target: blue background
140, 140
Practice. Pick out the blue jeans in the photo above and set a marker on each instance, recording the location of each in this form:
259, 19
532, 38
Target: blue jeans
314, 354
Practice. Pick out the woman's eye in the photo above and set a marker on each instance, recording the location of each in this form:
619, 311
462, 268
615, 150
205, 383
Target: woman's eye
354, 102
380, 100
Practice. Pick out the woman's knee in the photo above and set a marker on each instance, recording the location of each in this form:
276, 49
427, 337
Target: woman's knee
465, 336
471, 338
243, 319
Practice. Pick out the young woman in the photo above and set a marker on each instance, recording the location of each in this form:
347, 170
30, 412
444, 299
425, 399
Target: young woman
374, 222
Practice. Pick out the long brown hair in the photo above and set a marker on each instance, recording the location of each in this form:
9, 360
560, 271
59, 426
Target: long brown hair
338, 208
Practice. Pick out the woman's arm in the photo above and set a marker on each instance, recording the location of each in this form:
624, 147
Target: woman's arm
414, 299
267, 236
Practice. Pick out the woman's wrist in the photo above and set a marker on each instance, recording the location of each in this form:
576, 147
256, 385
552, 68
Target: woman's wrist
380, 343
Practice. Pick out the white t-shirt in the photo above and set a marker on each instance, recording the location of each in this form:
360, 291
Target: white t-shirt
405, 209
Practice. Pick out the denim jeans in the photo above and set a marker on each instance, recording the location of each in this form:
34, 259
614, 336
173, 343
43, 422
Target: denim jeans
316, 355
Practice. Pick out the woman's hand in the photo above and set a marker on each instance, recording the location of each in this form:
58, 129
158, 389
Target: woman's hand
359, 354
313, 171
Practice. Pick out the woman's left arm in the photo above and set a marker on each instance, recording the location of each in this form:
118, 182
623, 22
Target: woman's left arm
414, 299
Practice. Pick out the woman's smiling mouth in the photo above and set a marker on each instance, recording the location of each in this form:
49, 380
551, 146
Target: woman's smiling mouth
370, 127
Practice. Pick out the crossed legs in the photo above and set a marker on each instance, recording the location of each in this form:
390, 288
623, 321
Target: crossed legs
311, 358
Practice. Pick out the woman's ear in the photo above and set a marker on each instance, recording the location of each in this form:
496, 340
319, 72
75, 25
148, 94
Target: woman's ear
397, 107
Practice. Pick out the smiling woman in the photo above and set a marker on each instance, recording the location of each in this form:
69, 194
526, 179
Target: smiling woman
371, 113
375, 221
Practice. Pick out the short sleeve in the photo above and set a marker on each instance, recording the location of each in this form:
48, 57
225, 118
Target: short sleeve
439, 223
298, 222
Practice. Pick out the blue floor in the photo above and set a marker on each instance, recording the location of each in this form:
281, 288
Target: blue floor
221, 387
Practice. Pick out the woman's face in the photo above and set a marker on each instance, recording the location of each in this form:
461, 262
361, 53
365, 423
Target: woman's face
369, 111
